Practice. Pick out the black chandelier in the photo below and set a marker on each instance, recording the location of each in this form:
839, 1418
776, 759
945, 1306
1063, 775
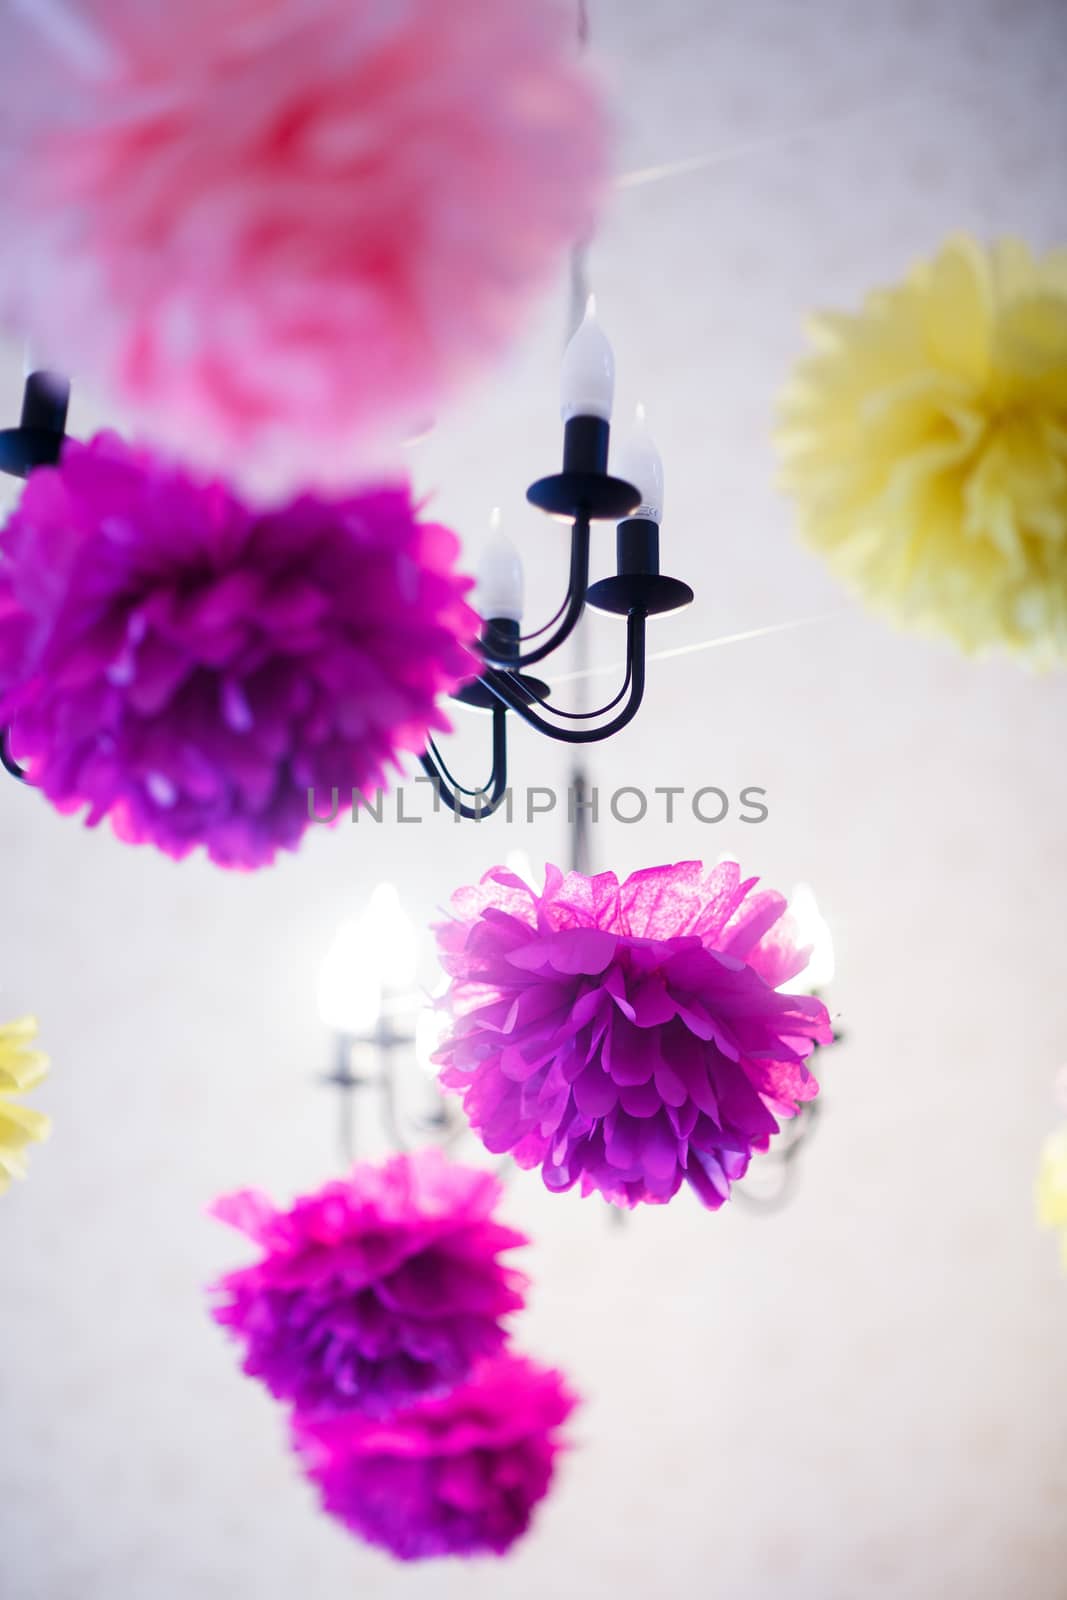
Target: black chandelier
584, 491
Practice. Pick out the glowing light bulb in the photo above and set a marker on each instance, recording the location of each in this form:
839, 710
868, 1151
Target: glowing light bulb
640, 463
499, 591
372, 959
587, 378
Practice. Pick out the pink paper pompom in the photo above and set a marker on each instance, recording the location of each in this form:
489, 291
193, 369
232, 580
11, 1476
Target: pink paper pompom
458, 1475
194, 668
628, 1037
376, 1290
275, 228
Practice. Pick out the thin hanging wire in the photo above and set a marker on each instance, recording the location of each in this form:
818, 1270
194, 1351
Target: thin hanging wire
642, 176
706, 644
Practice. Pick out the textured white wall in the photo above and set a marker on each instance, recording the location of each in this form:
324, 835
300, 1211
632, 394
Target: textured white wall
859, 1397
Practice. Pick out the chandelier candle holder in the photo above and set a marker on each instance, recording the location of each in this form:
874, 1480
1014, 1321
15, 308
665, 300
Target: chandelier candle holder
38, 439
584, 491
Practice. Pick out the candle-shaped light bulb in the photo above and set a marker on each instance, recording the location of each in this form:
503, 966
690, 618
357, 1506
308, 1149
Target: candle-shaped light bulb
372, 959
587, 380
500, 584
640, 463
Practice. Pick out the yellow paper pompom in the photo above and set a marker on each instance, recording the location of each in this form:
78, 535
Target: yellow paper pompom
20, 1069
1051, 1187
925, 441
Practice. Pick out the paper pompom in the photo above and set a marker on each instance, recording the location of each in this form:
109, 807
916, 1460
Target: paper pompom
627, 1037
458, 1475
372, 1291
191, 668
21, 1069
273, 227
925, 440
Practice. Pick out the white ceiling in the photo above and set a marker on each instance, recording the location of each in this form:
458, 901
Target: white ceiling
859, 1397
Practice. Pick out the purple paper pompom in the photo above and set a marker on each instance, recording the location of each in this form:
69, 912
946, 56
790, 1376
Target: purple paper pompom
373, 1291
628, 1036
192, 667
459, 1475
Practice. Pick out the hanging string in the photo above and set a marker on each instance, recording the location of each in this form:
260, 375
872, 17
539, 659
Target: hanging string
704, 644
642, 176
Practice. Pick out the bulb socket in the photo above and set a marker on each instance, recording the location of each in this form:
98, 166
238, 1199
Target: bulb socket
45, 402
500, 640
637, 547
585, 444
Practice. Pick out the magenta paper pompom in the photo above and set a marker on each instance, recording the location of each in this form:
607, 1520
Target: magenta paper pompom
190, 667
628, 1037
375, 1290
458, 1475
272, 228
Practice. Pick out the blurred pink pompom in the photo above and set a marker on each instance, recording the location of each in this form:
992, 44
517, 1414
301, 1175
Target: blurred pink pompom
458, 1475
282, 229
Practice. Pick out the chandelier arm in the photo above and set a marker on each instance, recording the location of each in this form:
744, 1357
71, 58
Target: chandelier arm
446, 789
573, 607
583, 716
497, 683
7, 760
443, 768
524, 638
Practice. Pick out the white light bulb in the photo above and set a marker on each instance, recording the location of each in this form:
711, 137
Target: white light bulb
372, 957
350, 991
499, 591
637, 461
812, 929
393, 934
587, 379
